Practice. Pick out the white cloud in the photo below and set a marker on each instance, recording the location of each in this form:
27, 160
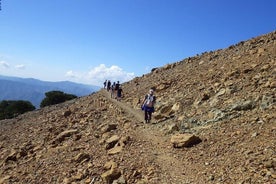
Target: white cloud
113, 73
99, 74
20, 67
71, 74
4, 64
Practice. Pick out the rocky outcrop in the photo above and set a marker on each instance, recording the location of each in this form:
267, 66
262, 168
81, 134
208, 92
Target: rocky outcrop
184, 140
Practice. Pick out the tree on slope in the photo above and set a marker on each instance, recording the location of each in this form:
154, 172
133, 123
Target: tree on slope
56, 97
12, 108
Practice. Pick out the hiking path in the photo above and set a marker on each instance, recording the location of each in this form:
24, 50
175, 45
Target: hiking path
160, 150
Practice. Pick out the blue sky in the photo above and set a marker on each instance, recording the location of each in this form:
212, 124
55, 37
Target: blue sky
88, 41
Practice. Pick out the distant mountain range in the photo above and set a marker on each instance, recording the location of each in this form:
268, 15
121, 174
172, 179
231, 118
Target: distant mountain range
33, 90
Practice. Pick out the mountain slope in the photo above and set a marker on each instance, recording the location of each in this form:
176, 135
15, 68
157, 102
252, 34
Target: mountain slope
13, 88
226, 98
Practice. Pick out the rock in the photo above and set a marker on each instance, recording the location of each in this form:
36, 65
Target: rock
266, 102
244, 106
181, 118
61, 137
172, 128
211, 177
166, 110
260, 50
184, 140
82, 157
108, 128
221, 92
112, 141
112, 174
159, 117
153, 69
205, 97
79, 176
109, 165
12, 156
67, 180
176, 107
270, 164
67, 113
121, 180
124, 140
4, 179
115, 150
162, 87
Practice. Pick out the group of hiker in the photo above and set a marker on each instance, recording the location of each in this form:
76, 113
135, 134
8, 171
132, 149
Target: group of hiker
114, 88
148, 103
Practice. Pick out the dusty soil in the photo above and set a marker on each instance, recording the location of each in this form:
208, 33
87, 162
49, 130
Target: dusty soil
226, 98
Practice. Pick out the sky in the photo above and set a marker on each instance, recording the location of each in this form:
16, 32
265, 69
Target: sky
89, 41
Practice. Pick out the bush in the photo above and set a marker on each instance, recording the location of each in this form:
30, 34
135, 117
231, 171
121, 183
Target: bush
56, 97
12, 108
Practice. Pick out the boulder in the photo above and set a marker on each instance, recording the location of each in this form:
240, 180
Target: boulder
61, 137
113, 172
112, 141
184, 140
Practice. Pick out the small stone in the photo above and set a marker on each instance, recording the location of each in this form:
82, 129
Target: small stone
67, 113
211, 178
255, 134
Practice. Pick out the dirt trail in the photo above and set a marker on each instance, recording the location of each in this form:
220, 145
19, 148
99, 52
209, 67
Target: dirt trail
160, 150
137, 114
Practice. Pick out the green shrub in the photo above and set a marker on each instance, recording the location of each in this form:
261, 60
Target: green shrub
12, 108
56, 97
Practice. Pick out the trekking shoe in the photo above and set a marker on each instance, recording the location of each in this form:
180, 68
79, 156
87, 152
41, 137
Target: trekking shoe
147, 121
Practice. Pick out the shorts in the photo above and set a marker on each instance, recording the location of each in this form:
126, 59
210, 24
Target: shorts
148, 109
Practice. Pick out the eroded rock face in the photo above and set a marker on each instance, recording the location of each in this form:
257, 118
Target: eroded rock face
224, 100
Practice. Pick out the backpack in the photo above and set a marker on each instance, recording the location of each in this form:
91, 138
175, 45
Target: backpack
117, 86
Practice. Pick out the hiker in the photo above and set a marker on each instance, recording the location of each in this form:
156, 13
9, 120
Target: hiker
105, 82
113, 90
148, 105
117, 85
119, 93
108, 85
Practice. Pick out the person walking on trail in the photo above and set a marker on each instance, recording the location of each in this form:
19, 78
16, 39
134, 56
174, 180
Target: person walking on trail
117, 86
119, 93
113, 90
148, 105
108, 85
105, 83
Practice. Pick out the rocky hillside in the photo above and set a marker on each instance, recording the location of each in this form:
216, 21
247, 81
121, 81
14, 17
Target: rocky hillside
215, 122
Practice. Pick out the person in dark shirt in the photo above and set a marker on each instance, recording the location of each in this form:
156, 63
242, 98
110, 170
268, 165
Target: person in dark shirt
119, 93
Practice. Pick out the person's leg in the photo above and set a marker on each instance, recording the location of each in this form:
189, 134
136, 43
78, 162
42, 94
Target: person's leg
149, 116
146, 116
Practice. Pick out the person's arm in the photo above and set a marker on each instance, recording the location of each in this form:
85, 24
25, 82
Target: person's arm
154, 100
144, 100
